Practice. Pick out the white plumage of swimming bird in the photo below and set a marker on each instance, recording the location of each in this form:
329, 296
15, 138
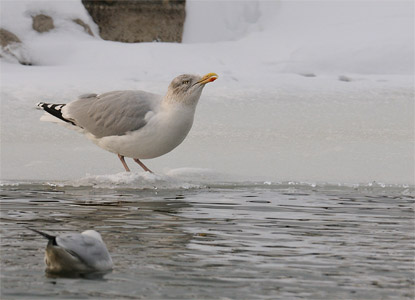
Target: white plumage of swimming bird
76, 253
134, 123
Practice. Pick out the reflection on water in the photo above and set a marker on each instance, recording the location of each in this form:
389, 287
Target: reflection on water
227, 241
90, 275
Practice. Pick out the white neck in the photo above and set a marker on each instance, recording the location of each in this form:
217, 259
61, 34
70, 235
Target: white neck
185, 99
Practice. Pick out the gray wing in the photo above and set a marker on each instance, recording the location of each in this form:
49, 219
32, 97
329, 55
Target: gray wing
88, 249
113, 113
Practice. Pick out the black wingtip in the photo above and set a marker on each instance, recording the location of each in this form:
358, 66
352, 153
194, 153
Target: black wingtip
48, 236
54, 109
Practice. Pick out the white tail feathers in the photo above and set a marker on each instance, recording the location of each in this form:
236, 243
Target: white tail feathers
46, 117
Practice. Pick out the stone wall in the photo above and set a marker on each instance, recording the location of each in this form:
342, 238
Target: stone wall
138, 20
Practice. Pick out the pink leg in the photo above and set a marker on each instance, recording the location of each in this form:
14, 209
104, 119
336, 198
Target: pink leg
123, 163
142, 165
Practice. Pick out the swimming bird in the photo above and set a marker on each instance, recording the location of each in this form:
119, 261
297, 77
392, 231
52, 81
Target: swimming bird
76, 253
134, 123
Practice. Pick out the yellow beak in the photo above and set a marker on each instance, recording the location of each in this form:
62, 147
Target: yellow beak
208, 78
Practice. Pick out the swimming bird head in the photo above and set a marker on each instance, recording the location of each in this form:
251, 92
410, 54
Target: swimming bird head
187, 88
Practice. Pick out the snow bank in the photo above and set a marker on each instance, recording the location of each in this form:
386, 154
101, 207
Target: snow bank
51, 47
16, 16
307, 91
311, 36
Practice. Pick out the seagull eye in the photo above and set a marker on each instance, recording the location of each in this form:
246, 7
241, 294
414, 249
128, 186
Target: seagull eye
185, 81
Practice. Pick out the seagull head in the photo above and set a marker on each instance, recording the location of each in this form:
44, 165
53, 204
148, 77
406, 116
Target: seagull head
187, 88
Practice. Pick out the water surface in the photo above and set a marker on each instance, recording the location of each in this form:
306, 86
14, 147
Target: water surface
216, 241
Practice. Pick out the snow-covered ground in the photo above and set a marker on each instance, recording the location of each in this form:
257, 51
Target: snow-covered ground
307, 91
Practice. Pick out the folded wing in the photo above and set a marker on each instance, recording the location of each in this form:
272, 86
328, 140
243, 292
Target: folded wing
113, 113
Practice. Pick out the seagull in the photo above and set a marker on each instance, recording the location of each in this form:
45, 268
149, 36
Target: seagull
76, 253
133, 123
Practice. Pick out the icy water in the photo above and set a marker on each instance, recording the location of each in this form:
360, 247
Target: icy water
216, 241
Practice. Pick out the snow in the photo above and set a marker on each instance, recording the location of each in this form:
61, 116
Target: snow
311, 36
307, 91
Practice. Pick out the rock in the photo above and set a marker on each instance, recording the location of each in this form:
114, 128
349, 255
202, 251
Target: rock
345, 78
12, 48
84, 25
7, 37
138, 21
42, 23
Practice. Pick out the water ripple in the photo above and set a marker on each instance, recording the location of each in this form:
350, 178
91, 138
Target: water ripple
225, 241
